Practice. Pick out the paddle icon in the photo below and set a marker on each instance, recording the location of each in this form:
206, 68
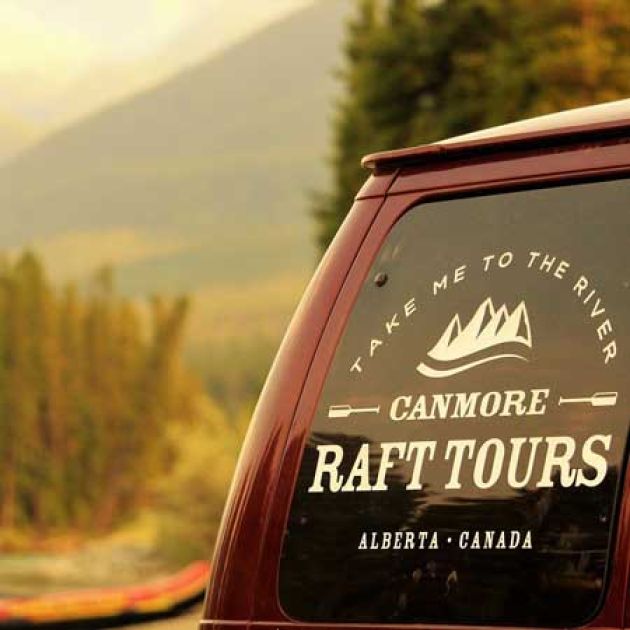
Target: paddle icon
599, 399
345, 411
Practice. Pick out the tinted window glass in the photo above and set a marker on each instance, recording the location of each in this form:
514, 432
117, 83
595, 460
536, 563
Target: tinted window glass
465, 457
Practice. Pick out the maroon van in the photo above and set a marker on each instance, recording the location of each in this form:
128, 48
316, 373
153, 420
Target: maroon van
442, 438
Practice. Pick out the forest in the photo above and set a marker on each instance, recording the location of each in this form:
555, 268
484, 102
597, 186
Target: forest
417, 71
89, 385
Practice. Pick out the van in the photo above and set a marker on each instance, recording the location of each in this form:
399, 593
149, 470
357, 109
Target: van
442, 438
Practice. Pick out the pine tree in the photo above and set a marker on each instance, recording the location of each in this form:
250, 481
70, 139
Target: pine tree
417, 71
73, 371
24, 468
7, 450
87, 399
581, 53
353, 128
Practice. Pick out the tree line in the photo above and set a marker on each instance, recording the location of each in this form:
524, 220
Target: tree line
89, 384
416, 71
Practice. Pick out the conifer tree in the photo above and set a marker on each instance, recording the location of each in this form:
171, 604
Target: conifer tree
353, 128
416, 71
87, 398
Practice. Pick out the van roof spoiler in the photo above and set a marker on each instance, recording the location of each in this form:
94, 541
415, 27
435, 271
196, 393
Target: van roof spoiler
603, 119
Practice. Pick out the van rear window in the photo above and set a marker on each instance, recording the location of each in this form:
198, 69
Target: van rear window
465, 461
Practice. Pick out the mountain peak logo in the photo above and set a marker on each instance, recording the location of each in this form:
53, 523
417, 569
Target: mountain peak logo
490, 335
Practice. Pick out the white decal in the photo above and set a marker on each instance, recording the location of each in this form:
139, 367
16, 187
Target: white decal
509, 403
542, 462
391, 327
486, 337
599, 399
345, 411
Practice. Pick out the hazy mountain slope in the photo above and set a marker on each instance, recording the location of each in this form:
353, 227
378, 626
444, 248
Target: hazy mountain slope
15, 134
199, 185
216, 26
228, 145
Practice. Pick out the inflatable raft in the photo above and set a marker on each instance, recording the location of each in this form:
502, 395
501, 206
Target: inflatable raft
103, 607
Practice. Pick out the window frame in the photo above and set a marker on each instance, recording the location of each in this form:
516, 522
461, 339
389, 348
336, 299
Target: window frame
414, 206
573, 166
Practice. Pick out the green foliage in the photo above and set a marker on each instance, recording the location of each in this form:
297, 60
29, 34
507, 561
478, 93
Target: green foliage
190, 499
416, 71
86, 400
233, 370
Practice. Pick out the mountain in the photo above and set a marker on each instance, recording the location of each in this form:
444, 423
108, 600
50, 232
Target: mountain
214, 26
15, 134
488, 327
197, 185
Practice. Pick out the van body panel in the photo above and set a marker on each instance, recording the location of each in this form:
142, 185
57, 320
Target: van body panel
396, 205
456, 147
244, 585
267, 605
233, 584
596, 121
583, 160
377, 185
589, 116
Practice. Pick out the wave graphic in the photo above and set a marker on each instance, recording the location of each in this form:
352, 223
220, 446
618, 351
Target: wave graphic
427, 370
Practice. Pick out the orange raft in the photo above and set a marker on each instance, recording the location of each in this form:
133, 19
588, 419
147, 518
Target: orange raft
155, 598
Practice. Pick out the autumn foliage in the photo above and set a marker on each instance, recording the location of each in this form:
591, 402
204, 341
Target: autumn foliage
89, 383
417, 71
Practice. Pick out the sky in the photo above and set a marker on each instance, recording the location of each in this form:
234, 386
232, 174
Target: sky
53, 50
